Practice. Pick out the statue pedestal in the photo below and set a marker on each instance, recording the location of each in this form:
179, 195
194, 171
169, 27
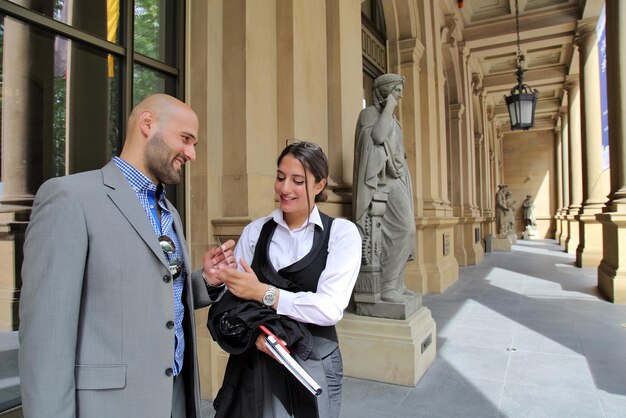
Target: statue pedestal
501, 244
530, 233
388, 350
373, 305
512, 237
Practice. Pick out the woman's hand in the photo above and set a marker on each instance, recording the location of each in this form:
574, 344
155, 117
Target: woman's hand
260, 344
243, 284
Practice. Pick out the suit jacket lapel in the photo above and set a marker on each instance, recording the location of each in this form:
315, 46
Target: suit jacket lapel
125, 198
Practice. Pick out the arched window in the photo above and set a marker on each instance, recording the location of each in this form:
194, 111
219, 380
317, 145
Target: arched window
374, 45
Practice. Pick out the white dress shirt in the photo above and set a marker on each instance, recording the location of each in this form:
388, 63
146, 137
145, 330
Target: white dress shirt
324, 307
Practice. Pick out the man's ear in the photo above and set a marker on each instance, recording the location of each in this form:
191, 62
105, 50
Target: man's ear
147, 122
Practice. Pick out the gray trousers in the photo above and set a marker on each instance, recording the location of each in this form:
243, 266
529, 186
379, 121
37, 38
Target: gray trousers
333, 366
179, 408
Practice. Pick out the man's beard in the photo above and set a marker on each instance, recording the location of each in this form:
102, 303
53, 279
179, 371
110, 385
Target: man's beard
159, 162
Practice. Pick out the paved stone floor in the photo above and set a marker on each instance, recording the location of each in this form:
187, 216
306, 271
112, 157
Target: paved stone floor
523, 334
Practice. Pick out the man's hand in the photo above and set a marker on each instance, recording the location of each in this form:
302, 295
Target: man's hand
243, 284
216, 259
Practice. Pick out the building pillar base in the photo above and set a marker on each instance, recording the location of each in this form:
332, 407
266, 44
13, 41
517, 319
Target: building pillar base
501, 244
612, 271
388, 350
589, 251
12, 232
573, 238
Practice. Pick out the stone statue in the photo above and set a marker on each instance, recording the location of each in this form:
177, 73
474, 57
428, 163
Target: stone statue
528, 205
510, 213
382, 204
502, 210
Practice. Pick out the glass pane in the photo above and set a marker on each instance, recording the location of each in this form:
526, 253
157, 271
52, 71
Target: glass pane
155, 29
93, 108
527, 112
147, 82
60, 108
97, 17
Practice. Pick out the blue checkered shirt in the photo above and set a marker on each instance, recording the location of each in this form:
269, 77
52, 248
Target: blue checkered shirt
146, 192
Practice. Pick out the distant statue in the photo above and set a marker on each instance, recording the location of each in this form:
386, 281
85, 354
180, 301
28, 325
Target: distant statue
502, 210
530, 222
382, 196
510, 213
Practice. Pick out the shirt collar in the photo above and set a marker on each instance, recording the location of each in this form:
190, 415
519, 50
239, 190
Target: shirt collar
136, 178
314, 218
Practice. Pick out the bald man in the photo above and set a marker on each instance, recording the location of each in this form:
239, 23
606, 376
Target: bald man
106, 309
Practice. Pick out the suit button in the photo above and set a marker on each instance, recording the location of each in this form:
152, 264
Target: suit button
167, 278
169, 324
169, 371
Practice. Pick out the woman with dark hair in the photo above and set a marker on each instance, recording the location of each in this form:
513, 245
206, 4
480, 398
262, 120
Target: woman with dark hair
297, 269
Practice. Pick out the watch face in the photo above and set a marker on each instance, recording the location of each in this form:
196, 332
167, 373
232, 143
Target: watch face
269, 297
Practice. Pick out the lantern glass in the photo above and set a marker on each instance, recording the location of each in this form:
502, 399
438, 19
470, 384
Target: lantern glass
526, 110
514, 110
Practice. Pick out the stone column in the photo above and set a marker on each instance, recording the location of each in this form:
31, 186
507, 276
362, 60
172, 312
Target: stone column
411, 53
612, 270
468, 250
589, 251
565, 175
456, 172
436, 220
559, 181
343, 34
27, 89
491, 162
251, 139
575, 164
27, 97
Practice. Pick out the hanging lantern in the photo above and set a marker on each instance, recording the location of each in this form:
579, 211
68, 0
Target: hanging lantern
522, 100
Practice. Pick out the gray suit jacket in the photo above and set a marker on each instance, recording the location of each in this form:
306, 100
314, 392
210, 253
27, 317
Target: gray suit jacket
95, 304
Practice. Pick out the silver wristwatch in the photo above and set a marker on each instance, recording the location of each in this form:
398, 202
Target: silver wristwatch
269, 298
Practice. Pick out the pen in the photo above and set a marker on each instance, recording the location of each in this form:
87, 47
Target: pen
219, 242
271, 334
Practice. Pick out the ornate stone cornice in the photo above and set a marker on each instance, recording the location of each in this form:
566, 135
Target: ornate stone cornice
411, 50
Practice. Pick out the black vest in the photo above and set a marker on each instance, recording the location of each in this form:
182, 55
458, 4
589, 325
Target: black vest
302, 276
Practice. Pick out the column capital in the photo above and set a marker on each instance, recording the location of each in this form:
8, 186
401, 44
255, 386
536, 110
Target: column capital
477, 84
491, 113
586, 27
456, 110
572, 82
478, 140
463, 51
411, 50
451, 32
